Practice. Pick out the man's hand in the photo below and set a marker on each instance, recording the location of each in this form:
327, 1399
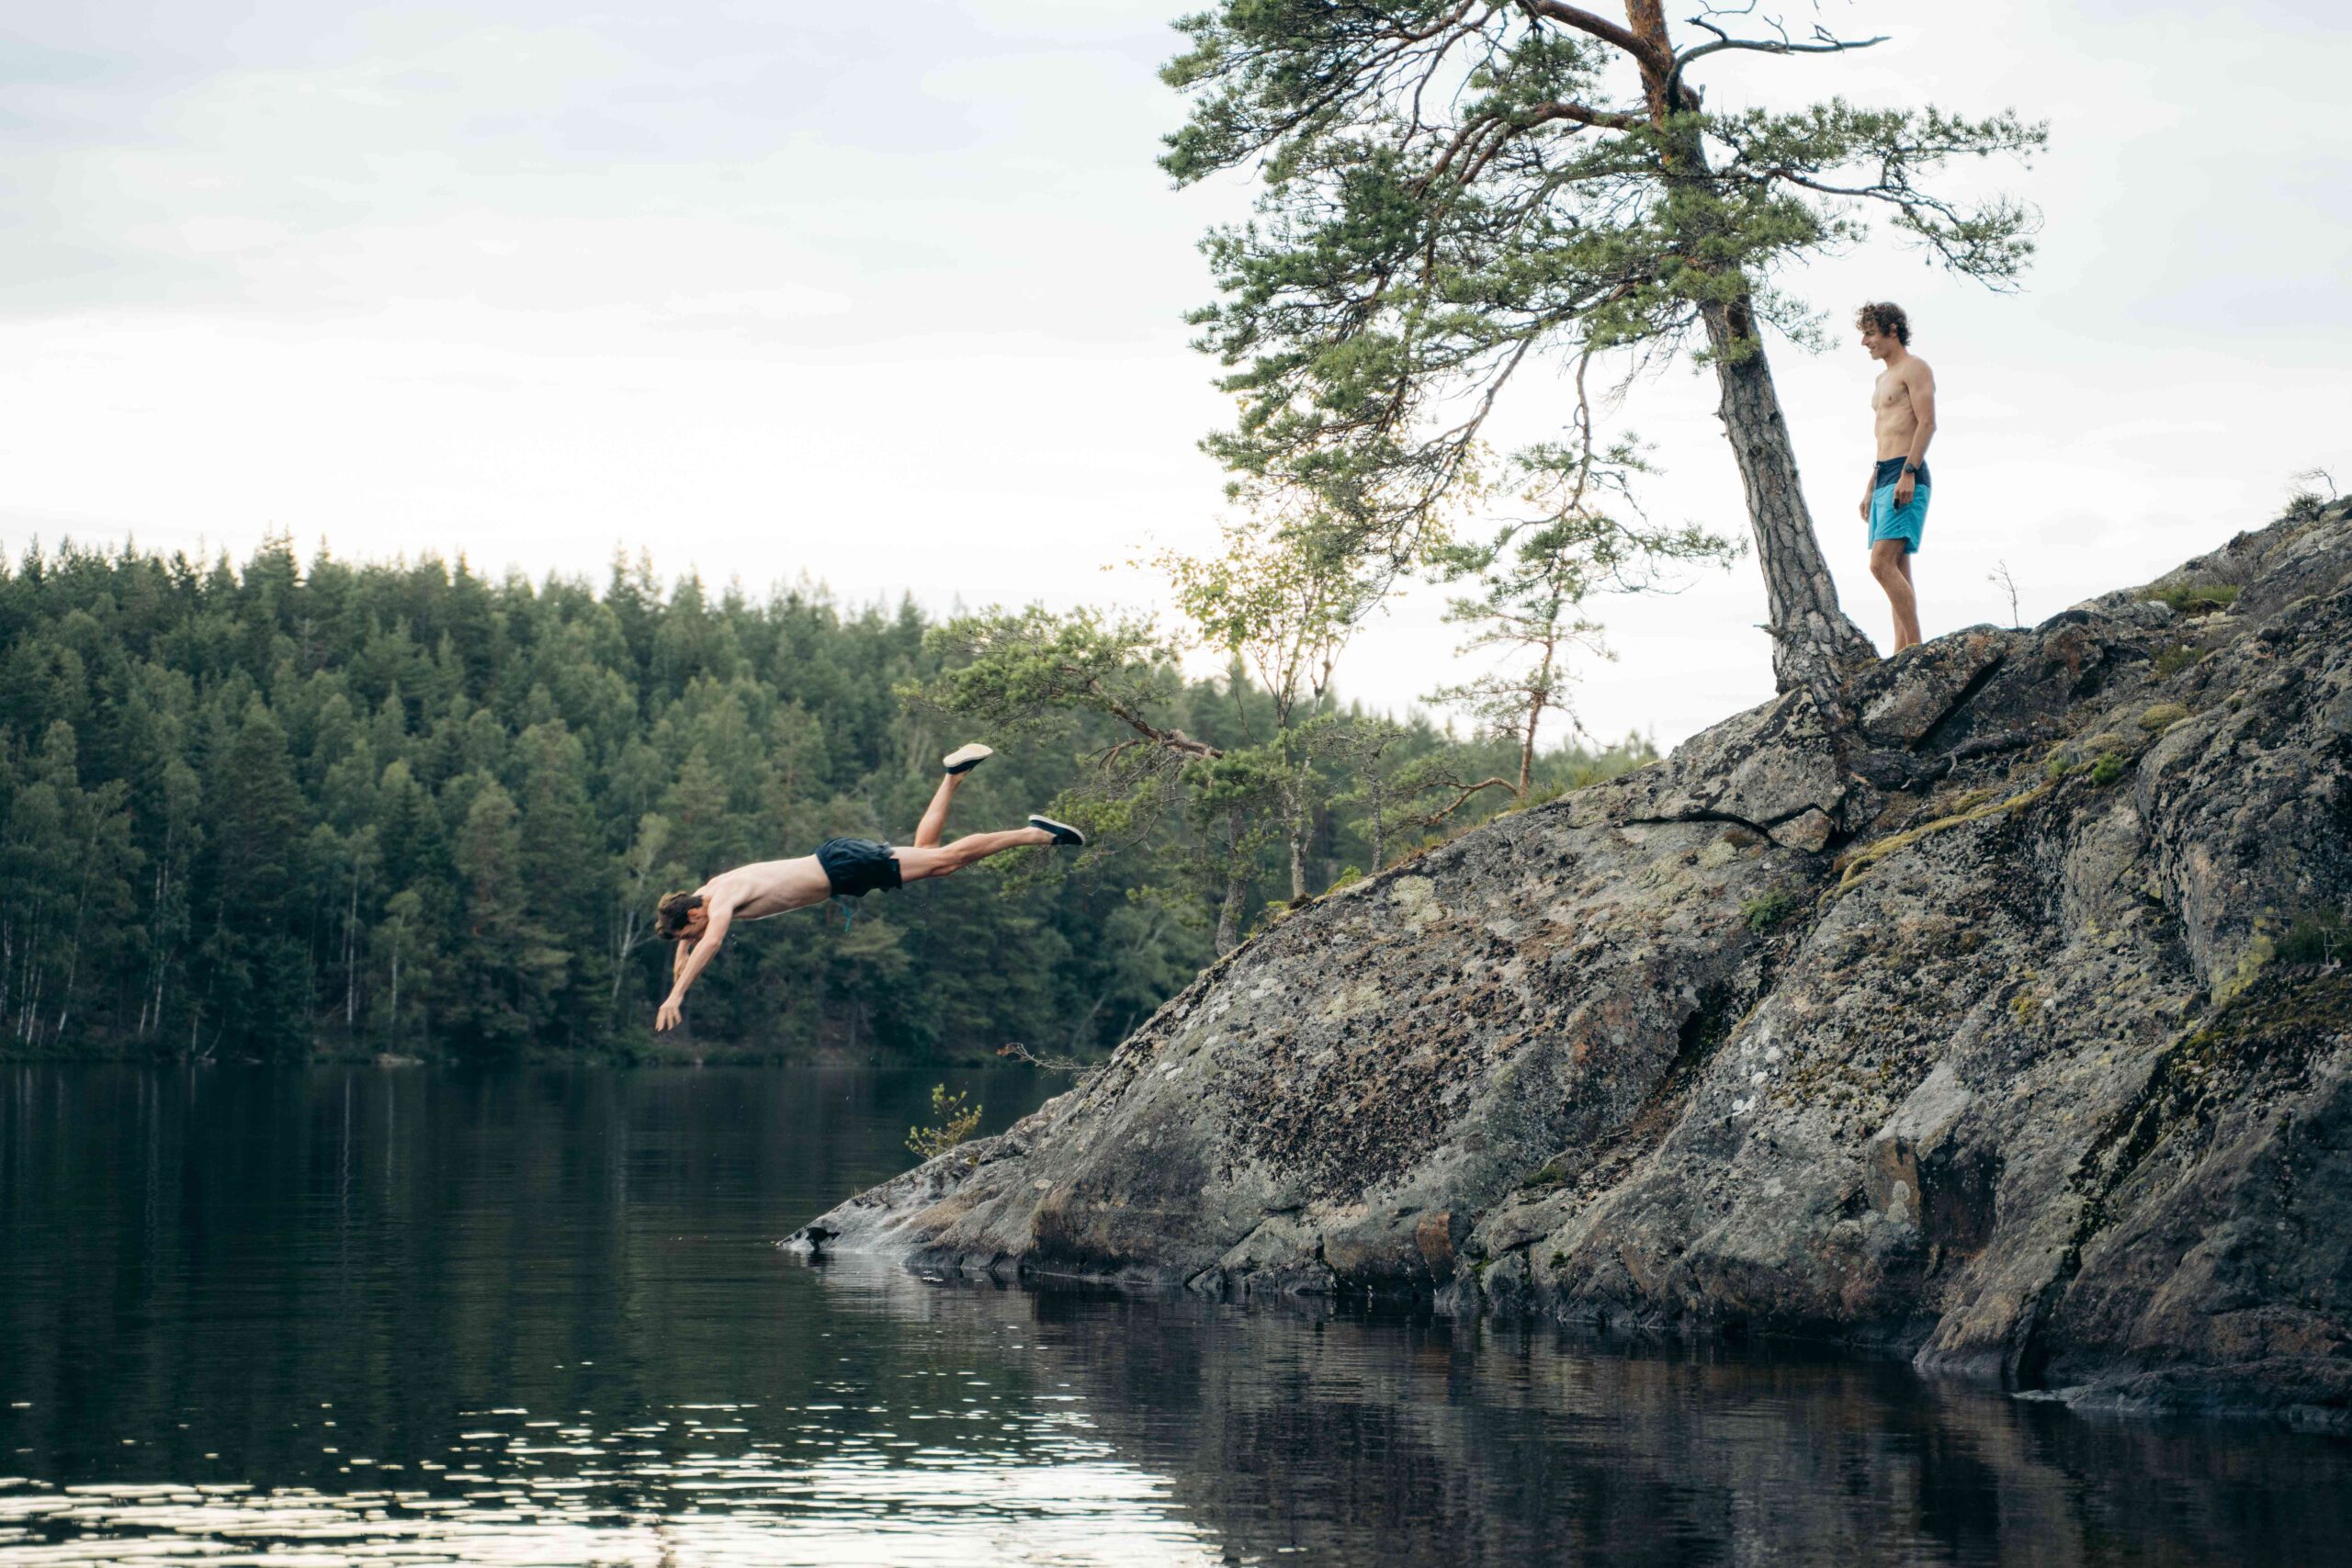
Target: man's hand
1903, 487
667, 1019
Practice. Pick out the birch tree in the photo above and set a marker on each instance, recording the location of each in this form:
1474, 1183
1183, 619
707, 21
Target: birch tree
1283, 598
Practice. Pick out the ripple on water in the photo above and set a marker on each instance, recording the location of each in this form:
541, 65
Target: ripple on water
1079, 1509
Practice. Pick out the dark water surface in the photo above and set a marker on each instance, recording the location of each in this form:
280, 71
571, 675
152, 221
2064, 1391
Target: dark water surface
354, 1314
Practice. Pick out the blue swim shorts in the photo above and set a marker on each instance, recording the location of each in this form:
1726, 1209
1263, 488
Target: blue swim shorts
1889, 521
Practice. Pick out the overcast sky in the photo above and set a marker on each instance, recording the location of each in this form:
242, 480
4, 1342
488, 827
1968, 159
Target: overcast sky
891, 298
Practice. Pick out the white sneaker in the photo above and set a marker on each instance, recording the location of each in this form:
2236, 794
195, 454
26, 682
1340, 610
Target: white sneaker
963, 759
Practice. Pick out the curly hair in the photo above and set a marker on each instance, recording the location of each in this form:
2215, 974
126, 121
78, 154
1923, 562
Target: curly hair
1885, 316
670, 915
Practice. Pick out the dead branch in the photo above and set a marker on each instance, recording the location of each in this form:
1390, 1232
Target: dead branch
1021, 1052
1459, 801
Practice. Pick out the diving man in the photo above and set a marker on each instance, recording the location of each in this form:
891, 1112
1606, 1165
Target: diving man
698, 922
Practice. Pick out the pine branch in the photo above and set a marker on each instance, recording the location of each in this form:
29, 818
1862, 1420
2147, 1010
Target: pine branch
1601, 27
1824, 42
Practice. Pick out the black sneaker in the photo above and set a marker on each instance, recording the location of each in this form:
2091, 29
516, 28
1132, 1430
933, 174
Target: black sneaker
963, 759
1062, 831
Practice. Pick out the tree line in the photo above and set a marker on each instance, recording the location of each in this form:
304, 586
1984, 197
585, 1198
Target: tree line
399, 807
296, 808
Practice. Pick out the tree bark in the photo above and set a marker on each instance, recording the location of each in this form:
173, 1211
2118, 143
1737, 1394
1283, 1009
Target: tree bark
1815, 644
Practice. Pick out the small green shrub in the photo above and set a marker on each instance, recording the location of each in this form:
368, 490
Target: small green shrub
952, 1120
2175, 659
2304, 503
2110, 766
2316, 939
2195, 598
1768, 909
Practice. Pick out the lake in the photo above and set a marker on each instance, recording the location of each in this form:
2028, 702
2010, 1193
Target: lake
356, 1314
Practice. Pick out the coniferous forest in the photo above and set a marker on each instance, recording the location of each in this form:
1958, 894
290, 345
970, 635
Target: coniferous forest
322, 809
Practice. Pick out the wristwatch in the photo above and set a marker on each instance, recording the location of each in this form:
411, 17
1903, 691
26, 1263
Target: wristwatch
1911, 467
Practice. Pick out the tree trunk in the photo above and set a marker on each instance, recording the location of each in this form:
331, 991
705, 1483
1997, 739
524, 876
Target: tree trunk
351, 960
1237, 891
1538, 701
1815, 644
1301, 827
1228, 913
627, 946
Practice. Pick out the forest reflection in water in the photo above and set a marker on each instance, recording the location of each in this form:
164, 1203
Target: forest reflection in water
354, 1315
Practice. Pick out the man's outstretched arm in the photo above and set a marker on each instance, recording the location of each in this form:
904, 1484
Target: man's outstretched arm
705, 949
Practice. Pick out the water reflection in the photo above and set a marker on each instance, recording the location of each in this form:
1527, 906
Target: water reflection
360, 1316
1411, 1441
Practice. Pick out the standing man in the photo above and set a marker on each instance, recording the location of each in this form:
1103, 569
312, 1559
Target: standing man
849, 868
1895, 504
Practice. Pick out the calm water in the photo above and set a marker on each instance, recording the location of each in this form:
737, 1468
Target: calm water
363, 1315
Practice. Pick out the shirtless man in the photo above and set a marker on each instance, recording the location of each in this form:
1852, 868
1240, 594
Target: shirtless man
1895, 503
851, 868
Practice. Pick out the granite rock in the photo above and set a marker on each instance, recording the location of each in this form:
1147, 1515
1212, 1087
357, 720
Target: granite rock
1984, 1028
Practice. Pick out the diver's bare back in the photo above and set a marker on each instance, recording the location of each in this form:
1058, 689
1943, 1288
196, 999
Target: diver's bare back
768, 887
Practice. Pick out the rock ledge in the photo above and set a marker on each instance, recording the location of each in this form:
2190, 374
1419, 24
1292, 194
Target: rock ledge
1997, 1031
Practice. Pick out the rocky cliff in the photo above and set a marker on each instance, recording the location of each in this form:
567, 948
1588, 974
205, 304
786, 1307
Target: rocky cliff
1998, 1025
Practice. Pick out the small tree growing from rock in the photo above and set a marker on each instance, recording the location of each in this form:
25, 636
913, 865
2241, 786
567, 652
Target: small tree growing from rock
953, 1120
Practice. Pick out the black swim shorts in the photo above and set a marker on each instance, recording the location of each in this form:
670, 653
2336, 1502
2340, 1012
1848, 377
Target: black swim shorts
857, 866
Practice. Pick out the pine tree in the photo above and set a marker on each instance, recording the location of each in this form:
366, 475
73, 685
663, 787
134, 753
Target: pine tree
1455, 188
562, 864
504, 972
254, 950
